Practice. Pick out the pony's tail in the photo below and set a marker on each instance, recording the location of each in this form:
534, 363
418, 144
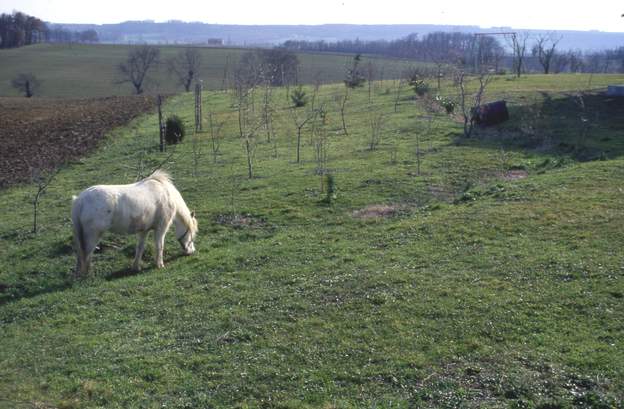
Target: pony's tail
78, 235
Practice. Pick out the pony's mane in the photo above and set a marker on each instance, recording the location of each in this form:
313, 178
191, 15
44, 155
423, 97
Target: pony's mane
185, 215
159, 176
183, 211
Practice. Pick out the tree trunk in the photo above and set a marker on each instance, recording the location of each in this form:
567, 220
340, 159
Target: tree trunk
298, 142
249, 160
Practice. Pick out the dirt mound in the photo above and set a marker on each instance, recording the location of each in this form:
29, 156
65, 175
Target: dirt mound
42, 133
239, 221
377, 211
515, 174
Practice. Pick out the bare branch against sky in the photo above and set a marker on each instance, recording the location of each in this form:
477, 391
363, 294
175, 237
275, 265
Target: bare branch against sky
604, 15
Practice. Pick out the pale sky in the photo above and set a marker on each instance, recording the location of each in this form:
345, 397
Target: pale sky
604, 15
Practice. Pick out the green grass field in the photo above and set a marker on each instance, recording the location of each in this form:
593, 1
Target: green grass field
90, 70
479, 290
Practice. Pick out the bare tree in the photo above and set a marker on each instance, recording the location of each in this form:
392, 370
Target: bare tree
267, 111
354, 78
575, 60
278, 66
397, 96
370, 74
226, 73
318, 82
301, 117
584, 120
468, 103
377, 121
249, 122
343, 106
43, 180
321, 143
559, 62
418, 154
320, 109
136, 67
440, 57
185, 67
247, 126
26, 84
215, 127
518, 43
545, 50
197, 151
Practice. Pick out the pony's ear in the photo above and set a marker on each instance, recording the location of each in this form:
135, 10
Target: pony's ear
193, 214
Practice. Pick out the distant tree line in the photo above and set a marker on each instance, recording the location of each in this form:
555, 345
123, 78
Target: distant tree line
19, 29
433, 47
61, 35
277, 66
470, 51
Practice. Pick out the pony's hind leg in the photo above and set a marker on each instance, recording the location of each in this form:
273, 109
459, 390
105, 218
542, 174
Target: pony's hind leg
140, 247
90, 242
79, 264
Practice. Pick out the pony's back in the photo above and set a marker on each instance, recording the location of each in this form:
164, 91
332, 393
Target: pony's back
160, 176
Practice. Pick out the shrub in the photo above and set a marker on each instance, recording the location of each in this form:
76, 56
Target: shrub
26, 84
330, 193
174, 130
354, 77
447, 103
299, 97
415, 79
421, 88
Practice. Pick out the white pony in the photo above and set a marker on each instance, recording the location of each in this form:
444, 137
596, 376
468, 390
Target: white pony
150, 204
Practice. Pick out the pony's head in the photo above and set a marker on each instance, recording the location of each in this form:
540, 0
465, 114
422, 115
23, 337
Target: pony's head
187, 236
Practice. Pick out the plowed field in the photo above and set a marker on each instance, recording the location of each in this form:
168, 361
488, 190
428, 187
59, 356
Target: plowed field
42, 133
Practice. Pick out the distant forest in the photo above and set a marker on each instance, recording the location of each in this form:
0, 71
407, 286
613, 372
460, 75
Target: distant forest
535, 52
19, 29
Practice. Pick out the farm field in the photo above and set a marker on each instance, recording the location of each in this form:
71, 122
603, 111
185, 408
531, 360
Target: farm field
482, 272
41, 133
82, 71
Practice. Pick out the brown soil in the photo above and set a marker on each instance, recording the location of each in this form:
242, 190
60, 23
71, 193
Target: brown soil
239, 220
42, 133
515, 174
376, 211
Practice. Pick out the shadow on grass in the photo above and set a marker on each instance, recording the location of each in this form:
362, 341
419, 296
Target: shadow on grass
130, 272
583, 126
14, 292
126, 272
11, 293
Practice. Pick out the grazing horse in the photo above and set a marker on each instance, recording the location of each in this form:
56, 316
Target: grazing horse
150, 204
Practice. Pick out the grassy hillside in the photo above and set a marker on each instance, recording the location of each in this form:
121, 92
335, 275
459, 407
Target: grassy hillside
90, 70
492, 278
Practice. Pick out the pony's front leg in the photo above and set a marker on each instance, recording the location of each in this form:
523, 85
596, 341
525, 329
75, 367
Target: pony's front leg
159, 240
140, 247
